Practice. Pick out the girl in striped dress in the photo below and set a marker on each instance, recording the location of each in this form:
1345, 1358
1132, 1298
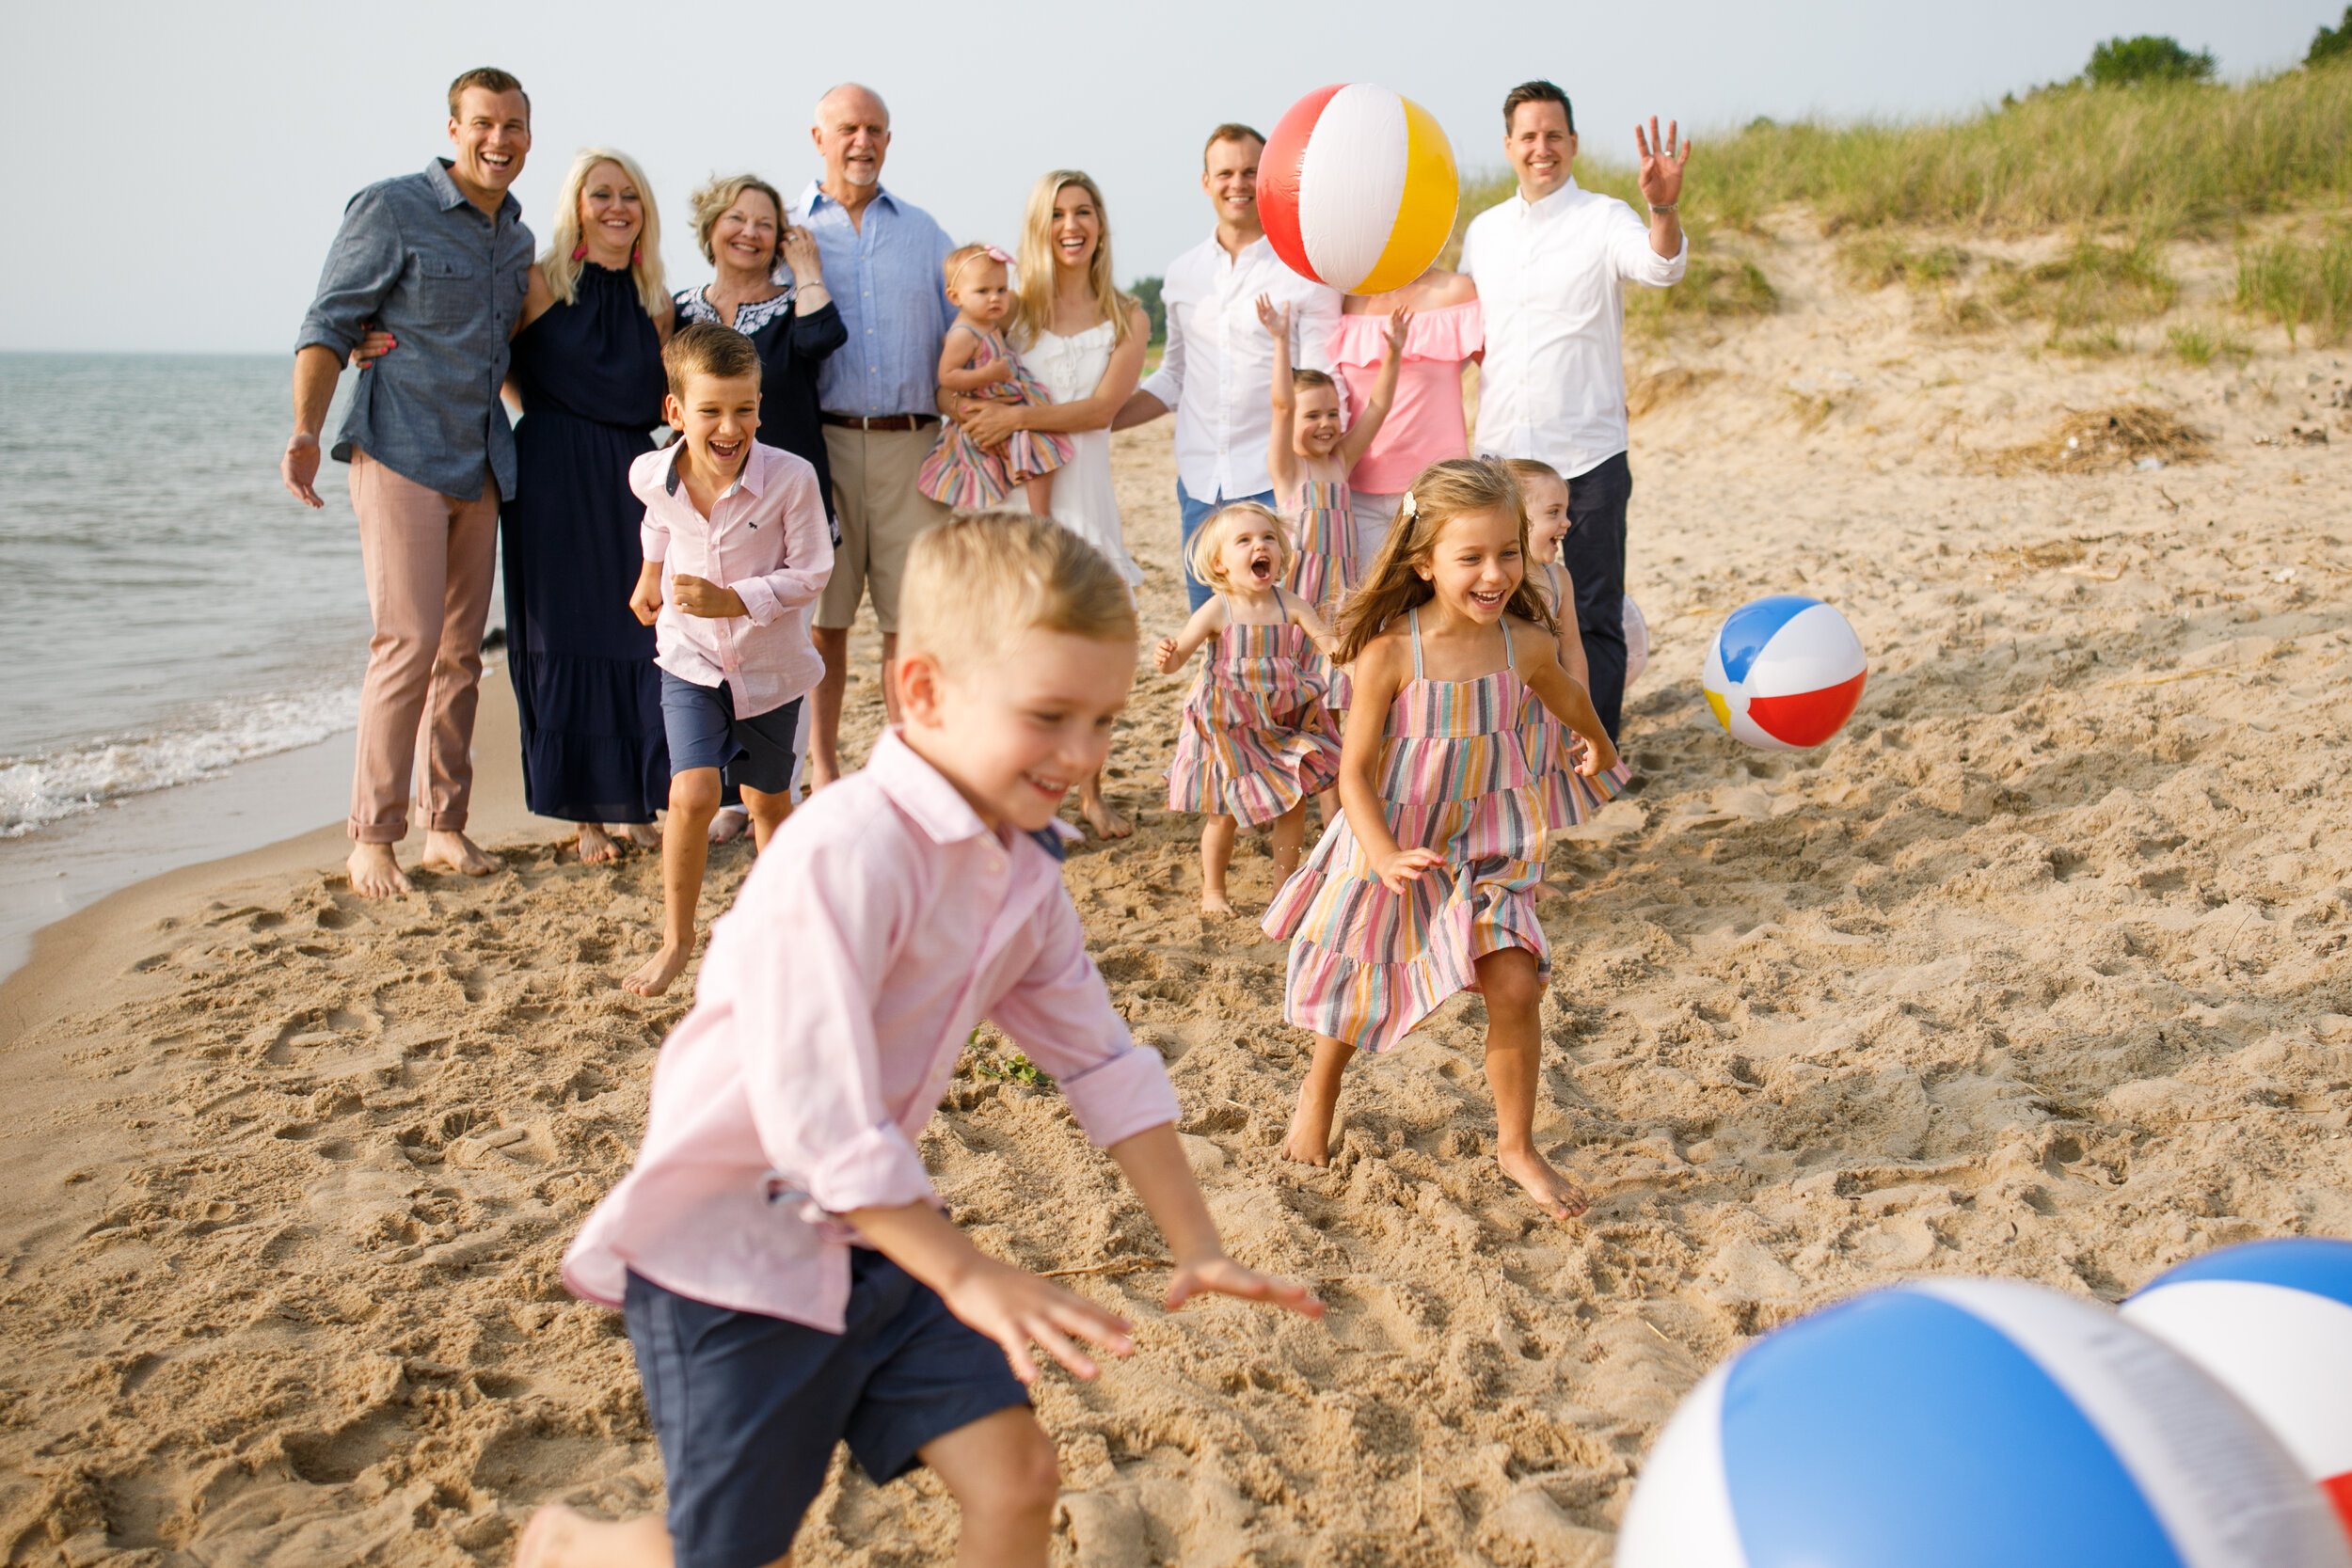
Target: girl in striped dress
1256, 741
1427, 887
1570, 797
975, 359
1308, 457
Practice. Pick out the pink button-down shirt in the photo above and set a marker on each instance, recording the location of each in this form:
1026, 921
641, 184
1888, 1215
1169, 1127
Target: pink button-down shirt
768, 539
881, 925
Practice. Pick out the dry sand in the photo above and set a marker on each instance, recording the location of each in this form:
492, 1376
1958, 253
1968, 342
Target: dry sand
2038, 970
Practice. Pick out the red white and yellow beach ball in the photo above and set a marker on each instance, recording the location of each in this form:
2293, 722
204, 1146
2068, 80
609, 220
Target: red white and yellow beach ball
1357, 188
1784, 673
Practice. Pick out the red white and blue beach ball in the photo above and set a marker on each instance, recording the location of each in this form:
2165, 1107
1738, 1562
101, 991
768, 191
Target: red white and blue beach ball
1969, 1423
2272, 1322
1784, 672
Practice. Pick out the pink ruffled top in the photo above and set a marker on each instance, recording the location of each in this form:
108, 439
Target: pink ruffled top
1426, 423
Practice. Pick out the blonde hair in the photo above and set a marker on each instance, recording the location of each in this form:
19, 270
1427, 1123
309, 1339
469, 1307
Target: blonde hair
951, 266
707, 348
1208, 544
1524, 468
1037, 260
1442, 492
714, 196
977, 581
556, 263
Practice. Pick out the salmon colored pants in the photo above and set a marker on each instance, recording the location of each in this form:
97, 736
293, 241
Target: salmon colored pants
429, 560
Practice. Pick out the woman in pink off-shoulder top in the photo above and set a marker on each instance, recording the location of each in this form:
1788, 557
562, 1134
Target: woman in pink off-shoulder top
1425, 424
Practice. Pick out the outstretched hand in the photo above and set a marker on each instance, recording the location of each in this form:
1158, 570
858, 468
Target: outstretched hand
1274, 318
1018, 1310
1662, 168
1399, 324
1221, 1275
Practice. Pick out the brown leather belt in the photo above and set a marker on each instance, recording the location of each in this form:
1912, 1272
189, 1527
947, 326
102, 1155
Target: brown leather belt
881, 422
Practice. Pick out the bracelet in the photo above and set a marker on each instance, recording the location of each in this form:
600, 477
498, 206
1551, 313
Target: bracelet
1668, 208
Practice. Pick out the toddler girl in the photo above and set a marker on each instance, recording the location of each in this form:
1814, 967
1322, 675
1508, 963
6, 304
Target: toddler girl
1256, 741
975, 359
1308, 457
1426, 886
1570, 797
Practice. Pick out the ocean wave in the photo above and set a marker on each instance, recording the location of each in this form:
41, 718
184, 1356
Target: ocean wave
37, 791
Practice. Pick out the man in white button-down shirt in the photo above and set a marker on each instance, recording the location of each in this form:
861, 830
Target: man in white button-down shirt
1551, 265
1217, 369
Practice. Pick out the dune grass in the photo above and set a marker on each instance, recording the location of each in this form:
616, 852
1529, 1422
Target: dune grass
2299, 285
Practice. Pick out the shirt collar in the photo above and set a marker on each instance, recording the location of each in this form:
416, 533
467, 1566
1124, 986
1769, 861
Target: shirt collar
436, 174
1556, 200
815, 194
753, 477
920, 791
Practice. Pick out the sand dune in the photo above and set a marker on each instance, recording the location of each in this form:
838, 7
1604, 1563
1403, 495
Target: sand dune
2039, 969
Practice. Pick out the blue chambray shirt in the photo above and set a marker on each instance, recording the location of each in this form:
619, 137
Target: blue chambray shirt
445, 279
884, 274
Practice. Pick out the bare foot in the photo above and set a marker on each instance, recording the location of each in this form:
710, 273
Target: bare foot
1213, 901
653, 976
643, 834
557, 1536
1306, 1143
455, 851
596, 846
1546, 891
1553, 1193
375, 874
1105, 822
731, 823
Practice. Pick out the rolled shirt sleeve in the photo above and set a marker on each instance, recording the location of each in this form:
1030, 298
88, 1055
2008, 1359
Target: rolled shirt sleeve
1636, 263
1059, 1013
362, 266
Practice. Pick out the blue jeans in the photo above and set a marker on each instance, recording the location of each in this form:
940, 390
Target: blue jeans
1196, 512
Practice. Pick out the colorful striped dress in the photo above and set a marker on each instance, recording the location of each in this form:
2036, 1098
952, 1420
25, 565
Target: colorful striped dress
1325, 566
1255, 738
1570, 797
1367, 965
959, 473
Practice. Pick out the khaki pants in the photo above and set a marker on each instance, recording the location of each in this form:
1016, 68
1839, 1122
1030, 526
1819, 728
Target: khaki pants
429, 559
873, 485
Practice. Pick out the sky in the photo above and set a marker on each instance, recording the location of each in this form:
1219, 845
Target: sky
184, 165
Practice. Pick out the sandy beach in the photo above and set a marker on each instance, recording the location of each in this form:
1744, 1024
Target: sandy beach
2039, 969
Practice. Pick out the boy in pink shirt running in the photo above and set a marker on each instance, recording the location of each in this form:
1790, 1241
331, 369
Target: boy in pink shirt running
736, 549
786, 1276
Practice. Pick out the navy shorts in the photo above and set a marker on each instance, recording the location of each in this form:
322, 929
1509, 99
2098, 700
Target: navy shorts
761, 752
747, 1407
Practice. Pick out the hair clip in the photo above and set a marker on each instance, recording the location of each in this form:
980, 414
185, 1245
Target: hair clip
996, 255
1407, 509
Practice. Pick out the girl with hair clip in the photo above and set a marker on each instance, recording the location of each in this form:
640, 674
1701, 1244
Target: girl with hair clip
1426, 886
1256, 741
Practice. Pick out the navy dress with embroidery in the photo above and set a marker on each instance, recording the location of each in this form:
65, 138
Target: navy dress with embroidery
585, 685
792, 346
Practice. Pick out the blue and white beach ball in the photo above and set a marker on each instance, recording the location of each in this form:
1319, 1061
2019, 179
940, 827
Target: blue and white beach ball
2272, 1322
1969, 1423
1784, 672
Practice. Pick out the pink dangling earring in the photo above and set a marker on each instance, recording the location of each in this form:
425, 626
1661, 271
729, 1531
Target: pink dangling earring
579, 251
636, 254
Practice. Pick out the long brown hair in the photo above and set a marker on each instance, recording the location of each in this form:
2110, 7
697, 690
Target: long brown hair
1392, 587
1035, 314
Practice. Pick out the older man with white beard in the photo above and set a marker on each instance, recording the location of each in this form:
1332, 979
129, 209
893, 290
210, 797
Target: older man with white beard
878, 395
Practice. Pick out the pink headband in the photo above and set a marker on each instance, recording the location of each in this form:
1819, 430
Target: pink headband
988, 252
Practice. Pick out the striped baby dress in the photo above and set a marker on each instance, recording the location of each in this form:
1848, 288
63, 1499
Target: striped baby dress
1254, 739
959, 473
1324, 566
1367, 965
1570, 797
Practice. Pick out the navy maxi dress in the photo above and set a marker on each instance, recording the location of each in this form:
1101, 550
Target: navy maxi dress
589, 697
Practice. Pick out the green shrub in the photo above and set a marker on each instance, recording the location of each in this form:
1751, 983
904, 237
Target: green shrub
2331, 43
2128, 62
2295, 285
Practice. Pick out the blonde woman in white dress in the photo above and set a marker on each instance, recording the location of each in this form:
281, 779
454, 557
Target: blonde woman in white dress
1084, 339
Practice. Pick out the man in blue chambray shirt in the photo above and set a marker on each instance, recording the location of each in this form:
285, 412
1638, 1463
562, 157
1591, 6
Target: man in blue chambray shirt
441, 260
878, 395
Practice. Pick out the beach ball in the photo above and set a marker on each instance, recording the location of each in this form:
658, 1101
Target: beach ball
1969, 1423
1357, 188
1784, 672
2272, 1322
1636, 640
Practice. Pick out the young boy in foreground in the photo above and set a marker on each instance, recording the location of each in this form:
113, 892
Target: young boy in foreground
787, 1274
737, 548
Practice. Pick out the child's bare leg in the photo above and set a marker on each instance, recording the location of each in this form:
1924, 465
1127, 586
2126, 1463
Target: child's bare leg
1039, 488
559, 1538
1105, 822
1309, 1138
1217, 853
1508, 981
1328, 804
1289, 832
685, 851
767, 814
1001, 1470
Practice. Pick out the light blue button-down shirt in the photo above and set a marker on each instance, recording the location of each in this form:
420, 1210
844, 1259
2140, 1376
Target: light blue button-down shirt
884, 274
